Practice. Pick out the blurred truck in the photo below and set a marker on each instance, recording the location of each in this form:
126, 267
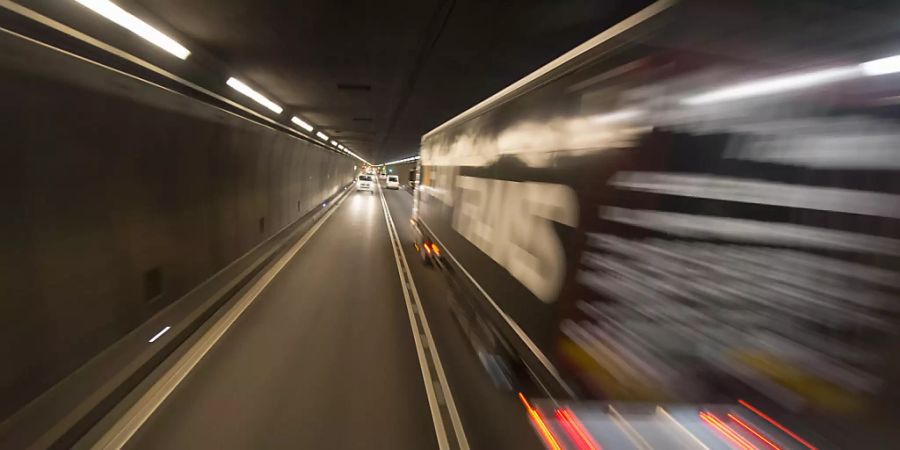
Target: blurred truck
689, 221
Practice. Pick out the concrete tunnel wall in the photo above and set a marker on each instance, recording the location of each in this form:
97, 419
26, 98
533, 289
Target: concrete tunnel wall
118, 198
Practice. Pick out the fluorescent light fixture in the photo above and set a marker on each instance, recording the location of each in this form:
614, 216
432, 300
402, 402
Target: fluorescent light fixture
411, 158
158, 335
334, 143
137, 26
239, 86
774, 85
349, 152
881, 66
302, 123
322, 136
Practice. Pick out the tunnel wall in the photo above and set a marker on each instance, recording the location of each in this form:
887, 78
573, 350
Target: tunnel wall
118, 198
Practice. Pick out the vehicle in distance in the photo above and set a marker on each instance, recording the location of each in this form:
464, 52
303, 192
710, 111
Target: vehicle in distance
650, 220
393, 182
365, 183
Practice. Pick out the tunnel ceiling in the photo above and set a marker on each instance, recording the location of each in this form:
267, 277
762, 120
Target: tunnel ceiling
378, 75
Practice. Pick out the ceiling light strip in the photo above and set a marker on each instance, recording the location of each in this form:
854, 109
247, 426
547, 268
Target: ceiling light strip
137, 26
239, 86
302, 123
94, 42
411, 158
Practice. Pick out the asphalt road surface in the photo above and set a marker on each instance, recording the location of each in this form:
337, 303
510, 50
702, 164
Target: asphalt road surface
325, 357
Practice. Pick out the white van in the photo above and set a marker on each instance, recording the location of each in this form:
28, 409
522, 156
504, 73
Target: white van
393, 182
365, 183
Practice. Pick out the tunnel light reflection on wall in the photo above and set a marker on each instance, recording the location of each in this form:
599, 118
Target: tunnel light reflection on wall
881, 66
137, 26
239, 86
615, 117
302, 123
774, 85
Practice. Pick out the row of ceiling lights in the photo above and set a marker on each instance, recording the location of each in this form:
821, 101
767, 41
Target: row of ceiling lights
399, 161
137, 26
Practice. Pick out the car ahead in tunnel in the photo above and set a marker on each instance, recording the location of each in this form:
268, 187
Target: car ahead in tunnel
365, 183
393, 182
649, 221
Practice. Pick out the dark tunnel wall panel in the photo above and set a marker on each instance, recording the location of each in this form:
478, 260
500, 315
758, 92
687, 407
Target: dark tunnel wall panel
107, 179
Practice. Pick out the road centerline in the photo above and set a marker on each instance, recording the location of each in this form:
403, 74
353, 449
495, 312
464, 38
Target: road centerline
436, 387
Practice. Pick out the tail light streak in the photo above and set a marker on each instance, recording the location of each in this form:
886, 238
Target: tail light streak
780, 426
726, 432
754, 432
576, 431
541, 425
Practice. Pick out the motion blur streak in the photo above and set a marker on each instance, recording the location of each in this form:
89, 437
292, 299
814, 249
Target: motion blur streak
636, 439
780, 426
735, 438
700, 445
576, 431
881, 66
774, 85
540, 425
753, 431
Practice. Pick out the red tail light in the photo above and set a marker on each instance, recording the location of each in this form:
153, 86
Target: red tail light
780, 426
576, 431
726, 432
754, 432
540, 425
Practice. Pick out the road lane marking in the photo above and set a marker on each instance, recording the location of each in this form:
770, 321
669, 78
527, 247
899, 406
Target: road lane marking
542, 358
437, 390
700, 445
127, 425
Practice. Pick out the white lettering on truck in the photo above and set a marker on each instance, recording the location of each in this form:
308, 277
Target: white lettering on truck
512, 222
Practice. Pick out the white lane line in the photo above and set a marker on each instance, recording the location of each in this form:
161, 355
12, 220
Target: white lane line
161, 332
629, 430
433, 400
660, 410
127, 425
